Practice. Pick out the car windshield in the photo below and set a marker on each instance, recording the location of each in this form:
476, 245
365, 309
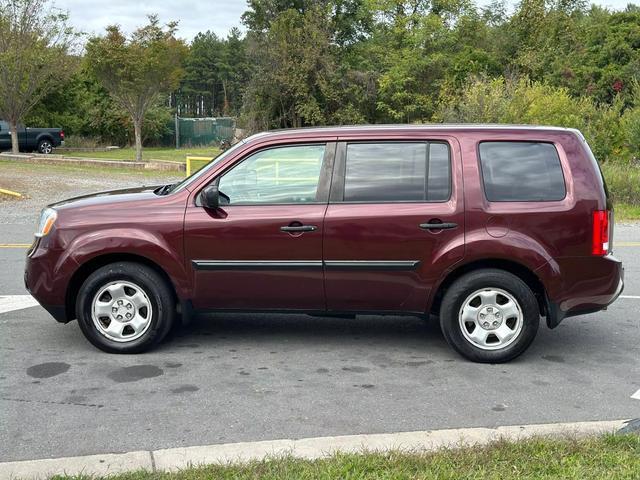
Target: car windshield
183, 184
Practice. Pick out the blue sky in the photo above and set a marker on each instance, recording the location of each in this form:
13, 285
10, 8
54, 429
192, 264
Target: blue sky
220, 16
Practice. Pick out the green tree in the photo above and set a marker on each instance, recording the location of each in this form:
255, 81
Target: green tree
200, 90
136, 71
216, 72
293, 69
35, 57
261, 13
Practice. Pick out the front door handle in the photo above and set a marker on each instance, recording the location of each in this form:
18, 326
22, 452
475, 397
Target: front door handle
298, 228
438, 226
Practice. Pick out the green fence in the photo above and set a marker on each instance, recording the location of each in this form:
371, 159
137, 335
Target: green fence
204, 131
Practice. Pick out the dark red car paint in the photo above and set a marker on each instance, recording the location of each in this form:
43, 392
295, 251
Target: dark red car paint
547, 243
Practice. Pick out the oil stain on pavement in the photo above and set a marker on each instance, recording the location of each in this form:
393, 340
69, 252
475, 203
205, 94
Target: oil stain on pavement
185, 388
47, 370
355, 369
135, 373
553, 358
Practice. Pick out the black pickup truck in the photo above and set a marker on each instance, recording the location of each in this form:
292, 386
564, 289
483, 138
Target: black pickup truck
42, 140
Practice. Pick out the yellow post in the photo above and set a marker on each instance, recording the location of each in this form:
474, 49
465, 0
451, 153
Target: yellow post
199, 163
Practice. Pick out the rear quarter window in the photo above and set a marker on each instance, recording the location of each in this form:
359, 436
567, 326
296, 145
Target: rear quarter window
521, 172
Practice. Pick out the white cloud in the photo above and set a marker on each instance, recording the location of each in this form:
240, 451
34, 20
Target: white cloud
195, 16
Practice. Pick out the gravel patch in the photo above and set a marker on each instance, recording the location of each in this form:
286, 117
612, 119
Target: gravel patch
43, 184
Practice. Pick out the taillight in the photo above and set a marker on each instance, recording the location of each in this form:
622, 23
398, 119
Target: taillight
62, 134
600, 244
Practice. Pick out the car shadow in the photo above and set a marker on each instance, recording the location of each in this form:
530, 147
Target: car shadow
392, 331
579, 339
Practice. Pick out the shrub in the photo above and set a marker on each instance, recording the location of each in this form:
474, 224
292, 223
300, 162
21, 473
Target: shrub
631, 127
80, 141
623, 182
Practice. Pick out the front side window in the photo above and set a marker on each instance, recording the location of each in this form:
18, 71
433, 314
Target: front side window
276, 175
521, 172
397, 172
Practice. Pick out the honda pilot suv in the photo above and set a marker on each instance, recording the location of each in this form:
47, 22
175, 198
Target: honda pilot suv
488, 227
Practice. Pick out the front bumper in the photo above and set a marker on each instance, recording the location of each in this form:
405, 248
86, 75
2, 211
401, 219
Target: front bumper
46, 280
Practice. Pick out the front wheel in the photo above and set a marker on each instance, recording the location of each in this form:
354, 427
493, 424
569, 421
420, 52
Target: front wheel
489, 316
125, 307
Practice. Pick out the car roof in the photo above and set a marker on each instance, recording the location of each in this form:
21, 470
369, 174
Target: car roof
408, 128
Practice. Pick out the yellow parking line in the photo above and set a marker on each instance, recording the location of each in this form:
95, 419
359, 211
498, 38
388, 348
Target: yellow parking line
626, 244
10, 192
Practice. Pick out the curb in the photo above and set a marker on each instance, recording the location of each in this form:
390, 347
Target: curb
173, 459
52, 159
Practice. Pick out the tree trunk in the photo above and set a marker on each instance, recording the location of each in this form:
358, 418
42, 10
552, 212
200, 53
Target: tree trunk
137, 130
225, 105
15, 145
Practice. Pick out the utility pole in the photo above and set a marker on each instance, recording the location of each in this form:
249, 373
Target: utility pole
177, 131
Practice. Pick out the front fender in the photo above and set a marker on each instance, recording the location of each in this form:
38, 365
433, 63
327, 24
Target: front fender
165, 252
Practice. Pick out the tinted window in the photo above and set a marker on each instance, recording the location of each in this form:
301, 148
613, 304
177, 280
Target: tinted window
521, 172
392, 172
277, 175
438, 180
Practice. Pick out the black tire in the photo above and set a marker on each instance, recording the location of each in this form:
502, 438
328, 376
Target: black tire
154, 286
45, 146
465, 286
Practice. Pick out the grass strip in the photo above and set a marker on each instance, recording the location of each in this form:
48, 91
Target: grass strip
604, 457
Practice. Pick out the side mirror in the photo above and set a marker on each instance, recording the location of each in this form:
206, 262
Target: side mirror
210, 197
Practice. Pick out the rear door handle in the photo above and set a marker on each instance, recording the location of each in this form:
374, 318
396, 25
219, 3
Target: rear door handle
438, 226
299, 228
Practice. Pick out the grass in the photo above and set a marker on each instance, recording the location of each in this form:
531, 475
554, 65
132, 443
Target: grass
129, 154
625, 212
606, 457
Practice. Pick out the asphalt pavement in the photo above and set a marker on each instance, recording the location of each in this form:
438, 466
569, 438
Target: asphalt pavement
232, 377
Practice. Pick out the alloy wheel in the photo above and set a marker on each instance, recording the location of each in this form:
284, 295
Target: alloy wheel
490, 319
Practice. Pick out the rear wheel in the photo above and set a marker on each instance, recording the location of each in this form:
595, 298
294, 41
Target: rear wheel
45, 146
489, 316
125, 307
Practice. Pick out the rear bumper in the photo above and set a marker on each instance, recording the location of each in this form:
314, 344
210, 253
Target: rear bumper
581, 285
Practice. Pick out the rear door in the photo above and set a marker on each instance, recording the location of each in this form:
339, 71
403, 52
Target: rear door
395, 222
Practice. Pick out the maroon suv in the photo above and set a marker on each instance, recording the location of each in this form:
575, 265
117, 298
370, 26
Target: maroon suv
489, 227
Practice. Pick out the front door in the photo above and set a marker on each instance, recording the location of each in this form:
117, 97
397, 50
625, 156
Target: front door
262, 249
395, 222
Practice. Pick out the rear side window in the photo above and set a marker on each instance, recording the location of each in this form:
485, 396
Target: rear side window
521, 172
397, 172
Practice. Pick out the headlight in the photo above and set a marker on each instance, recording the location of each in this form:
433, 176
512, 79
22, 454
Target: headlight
47, 219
